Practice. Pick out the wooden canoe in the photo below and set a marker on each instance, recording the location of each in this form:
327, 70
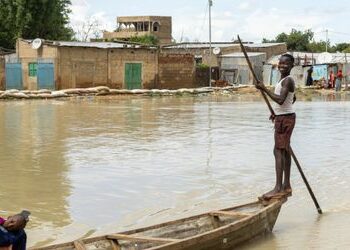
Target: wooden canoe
221, 229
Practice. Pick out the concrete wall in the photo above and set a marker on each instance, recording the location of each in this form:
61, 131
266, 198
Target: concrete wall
164, 34
29, 55
176, 71
2, 73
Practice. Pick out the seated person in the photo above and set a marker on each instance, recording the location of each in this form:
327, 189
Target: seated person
12, 234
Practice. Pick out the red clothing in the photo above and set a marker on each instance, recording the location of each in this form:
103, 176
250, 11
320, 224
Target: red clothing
331, 80
2, 220
340, 75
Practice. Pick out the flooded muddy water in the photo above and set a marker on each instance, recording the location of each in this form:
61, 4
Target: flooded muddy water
88, 167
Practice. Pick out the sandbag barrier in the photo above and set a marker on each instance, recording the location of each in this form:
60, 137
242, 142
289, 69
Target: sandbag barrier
105, 91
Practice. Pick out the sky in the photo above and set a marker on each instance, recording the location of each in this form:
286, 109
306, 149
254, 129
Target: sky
253, 20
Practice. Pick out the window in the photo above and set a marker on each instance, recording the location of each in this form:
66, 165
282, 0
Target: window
156, 27
32, 69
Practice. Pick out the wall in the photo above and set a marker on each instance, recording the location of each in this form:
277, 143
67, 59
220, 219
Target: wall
2, 73
28, 55
164, 34
204, 52
202, 76
176, 71
270, 51
88, 67
80, 67
117, 59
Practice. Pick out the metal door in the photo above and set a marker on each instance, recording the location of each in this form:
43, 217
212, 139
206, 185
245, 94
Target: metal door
13, 76
275, 76
133, 73
46, 76
243, 76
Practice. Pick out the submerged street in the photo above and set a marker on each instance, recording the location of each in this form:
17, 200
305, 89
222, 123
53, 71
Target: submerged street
93, 166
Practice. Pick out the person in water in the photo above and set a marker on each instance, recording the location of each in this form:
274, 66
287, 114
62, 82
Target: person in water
12, 234
284, 119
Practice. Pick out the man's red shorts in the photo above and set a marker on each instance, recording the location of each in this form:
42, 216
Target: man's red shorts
284, 125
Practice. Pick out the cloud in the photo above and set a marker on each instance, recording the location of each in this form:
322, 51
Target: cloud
83, 14
228, 14
252, 19
267, 24
244, 6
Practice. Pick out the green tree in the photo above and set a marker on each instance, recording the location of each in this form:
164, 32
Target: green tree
318, 47
296, 40
29, 19
146, 39
341, 47
347, 50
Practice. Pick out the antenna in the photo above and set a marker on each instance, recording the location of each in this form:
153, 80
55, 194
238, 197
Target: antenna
210, 5
216, 51
36, 43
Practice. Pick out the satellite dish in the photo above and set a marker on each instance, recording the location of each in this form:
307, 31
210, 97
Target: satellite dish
324, 57
36, 43
216, 51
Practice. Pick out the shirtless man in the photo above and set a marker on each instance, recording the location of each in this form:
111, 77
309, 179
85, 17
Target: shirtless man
284, 97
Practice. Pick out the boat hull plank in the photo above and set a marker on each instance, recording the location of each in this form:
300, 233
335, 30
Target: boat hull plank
220, 229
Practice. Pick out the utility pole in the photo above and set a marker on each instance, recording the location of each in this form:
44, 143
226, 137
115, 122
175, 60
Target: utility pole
210, 50
326, 40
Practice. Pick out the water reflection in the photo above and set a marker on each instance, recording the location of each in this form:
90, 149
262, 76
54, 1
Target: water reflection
33, 168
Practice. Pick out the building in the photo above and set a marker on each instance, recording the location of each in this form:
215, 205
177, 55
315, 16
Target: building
2, 73
322, 64
201, 51
131, 26
61, 65
4, 54
229, 59
235, 70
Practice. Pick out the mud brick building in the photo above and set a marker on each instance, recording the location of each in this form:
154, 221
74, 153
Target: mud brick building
62, 65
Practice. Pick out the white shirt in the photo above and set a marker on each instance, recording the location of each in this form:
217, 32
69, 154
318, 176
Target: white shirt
287, 106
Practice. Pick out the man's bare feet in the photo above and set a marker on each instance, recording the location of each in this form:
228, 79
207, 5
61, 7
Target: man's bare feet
287, 190
273, 193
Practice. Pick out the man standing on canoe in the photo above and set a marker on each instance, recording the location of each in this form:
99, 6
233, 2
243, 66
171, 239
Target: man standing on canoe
284, 120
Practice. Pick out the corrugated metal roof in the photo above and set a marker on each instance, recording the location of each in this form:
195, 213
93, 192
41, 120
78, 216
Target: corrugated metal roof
219, 44
100, 45
199, 45
336, 57
240, 54
261, 45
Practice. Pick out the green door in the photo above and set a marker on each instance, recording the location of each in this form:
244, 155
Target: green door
133, 75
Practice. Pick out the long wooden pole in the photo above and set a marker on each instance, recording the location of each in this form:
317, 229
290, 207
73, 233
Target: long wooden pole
273, 114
